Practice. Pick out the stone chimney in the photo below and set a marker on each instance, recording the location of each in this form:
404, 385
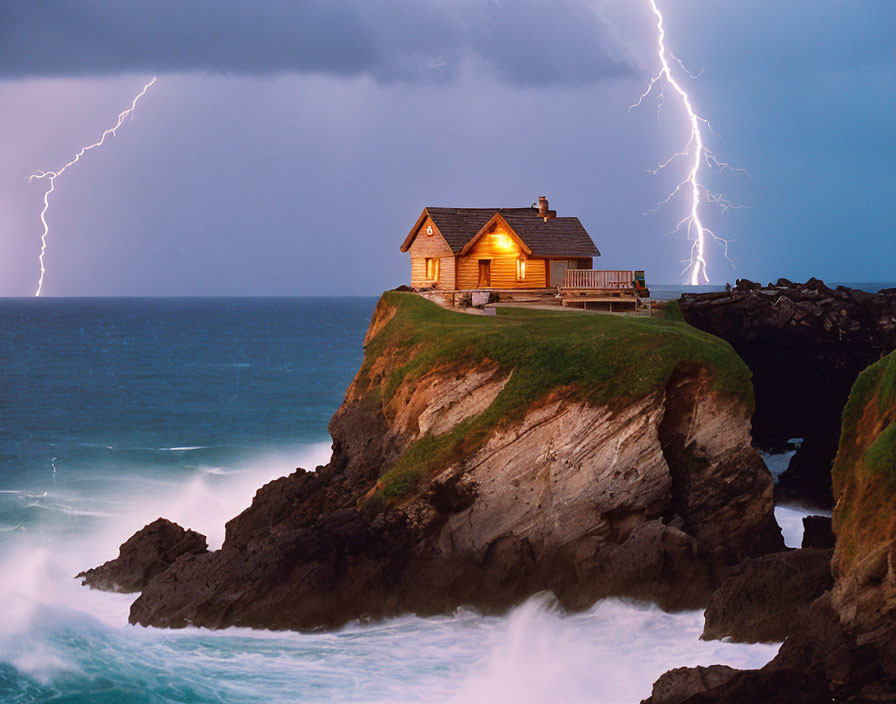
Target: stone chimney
543, 211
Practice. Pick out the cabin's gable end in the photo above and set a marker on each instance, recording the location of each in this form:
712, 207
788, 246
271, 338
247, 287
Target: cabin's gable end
432, 261
497, 258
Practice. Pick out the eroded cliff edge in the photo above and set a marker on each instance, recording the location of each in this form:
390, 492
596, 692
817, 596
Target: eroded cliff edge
477, 461
864, 474
843, 648
806, 345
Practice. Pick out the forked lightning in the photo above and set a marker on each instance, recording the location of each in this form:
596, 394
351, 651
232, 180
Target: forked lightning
698, 153
51, 176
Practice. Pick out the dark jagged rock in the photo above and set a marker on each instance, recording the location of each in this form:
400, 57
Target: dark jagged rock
146, 554
824, 648
817, 532
718, 683
676, 685
806, 344
843, 649
766, 687
651, 494
746, 285
821, 661
765, 598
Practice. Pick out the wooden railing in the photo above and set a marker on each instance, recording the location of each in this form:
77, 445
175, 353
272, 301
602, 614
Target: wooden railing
599, 278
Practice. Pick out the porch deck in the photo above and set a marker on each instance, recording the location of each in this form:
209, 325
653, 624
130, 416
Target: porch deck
601, 280
604, 286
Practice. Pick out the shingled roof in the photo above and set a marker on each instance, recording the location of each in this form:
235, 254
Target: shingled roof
556, 237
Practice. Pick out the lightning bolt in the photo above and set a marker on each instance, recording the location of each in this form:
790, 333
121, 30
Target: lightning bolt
696, 150
51, 176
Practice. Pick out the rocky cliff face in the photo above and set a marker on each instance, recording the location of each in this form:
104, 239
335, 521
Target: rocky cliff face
147, 553
480, 460
865, 515
843, 647
806, 344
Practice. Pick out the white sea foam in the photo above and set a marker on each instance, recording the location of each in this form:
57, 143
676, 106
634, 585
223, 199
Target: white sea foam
777, 462
218, 471
55, 632
611, 653
214, 496
790, 518
69, 510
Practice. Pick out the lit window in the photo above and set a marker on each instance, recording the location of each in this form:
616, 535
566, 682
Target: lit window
521, 268
432, 269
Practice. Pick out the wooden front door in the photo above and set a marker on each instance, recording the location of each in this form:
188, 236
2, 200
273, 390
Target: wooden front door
485, 273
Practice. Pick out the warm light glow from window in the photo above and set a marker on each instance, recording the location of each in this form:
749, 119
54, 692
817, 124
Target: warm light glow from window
432, 269
521, 268
503, 242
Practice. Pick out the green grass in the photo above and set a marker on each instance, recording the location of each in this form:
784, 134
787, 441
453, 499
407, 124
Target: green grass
599, 359
880, 457
887, 395
672, 311
864, 471
875, 386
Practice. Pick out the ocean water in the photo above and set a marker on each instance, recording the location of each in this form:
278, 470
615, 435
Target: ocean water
116, 411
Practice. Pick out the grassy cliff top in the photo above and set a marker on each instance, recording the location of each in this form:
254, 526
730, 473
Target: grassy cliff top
868, 437
599, 359
864, 471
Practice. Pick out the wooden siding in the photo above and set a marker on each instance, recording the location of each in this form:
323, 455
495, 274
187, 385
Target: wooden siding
433, 246
446, 273
503, 252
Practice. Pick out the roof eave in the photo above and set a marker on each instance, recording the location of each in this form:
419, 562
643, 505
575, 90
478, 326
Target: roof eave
410, 238
566, 255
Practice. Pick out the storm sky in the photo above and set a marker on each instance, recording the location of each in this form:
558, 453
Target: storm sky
288, 146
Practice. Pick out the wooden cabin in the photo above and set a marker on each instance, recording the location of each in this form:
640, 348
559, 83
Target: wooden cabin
458, 249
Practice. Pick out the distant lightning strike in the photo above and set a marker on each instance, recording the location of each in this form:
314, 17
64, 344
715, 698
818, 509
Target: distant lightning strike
51, 176
696, 230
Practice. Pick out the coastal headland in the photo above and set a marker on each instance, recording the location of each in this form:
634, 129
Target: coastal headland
477, 461
480, 460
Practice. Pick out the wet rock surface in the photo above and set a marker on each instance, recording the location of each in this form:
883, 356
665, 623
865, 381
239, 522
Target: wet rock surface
817, 532
675, 686
147, 553
821, 661
843, 647
806, 344
765, 599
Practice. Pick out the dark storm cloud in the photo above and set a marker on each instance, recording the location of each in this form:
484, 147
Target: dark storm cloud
525, 41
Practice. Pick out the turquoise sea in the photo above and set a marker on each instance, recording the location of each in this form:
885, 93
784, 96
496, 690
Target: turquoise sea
116, 411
